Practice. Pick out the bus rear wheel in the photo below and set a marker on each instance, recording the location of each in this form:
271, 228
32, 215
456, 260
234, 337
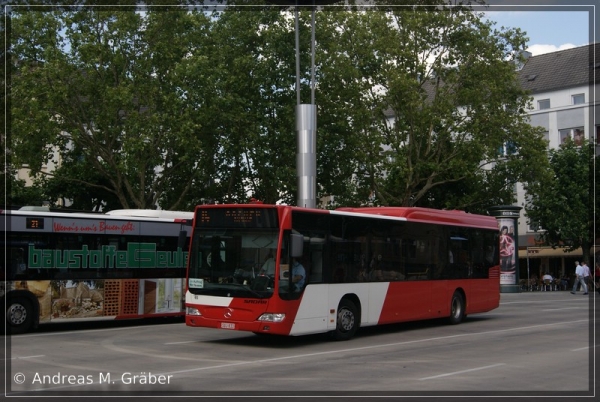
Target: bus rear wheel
19, 315
347, 321
457, 308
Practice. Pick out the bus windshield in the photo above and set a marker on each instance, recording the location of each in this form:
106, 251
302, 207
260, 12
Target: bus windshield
233, 262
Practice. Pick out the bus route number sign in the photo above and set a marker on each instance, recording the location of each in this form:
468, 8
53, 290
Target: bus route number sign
34, 223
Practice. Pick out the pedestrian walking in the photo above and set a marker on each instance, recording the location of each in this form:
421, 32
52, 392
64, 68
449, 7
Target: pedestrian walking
587, 275
579, 279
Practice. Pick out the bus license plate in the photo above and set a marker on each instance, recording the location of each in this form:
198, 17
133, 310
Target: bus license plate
227, 325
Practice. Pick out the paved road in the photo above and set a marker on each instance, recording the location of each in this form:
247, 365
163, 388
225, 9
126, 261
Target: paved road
535, 344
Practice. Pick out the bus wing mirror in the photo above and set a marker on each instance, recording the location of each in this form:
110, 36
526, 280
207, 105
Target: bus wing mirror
182, 240
296, 245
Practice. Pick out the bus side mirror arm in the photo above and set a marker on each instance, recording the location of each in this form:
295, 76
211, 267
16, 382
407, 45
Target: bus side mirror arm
296, 245
182, 241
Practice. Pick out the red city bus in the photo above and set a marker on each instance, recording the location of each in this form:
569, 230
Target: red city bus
274, 269
64, 266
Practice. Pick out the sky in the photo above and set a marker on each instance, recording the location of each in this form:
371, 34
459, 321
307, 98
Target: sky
549, 29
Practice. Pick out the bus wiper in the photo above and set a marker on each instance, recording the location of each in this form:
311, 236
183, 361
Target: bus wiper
245, 287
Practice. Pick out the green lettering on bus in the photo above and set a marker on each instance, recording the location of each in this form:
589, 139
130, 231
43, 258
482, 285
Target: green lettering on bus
137, 255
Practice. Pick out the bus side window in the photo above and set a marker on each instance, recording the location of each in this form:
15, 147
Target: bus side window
17, 264
305, 261
316, 269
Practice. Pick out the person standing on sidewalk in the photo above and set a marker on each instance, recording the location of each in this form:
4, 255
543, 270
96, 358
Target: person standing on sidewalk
579, 279
587, 275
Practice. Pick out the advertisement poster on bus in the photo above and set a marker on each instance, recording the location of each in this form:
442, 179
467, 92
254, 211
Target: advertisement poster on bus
105, 298
508, 252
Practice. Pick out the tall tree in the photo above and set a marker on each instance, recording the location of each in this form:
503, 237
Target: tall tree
254, 105
104, 92
449, 81
560, 205
351, 109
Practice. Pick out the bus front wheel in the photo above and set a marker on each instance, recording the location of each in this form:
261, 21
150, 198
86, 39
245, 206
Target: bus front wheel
457, 308
347, 321
19, 315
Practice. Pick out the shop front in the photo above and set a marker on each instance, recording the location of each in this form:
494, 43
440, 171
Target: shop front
534, 262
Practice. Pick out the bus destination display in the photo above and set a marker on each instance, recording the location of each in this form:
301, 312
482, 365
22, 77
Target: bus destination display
237, 217
34, 223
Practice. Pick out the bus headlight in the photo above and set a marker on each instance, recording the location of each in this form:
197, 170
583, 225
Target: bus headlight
192, 311
272, 317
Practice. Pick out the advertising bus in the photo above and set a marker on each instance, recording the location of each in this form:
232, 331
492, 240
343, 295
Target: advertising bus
274, 269
60, 267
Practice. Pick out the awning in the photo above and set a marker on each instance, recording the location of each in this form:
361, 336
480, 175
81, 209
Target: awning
539, 252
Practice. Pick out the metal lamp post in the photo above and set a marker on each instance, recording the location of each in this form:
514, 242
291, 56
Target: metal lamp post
306, 115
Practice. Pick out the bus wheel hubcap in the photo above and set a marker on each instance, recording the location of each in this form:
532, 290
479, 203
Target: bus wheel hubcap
456, 308
346, 319
17, 314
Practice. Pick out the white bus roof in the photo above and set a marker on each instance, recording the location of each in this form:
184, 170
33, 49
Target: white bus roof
35, 208
152, 213
138, 214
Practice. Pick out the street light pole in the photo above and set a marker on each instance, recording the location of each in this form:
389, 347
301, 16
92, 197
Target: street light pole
306, 117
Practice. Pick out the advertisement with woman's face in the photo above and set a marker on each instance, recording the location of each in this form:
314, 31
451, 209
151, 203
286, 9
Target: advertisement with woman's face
508, 252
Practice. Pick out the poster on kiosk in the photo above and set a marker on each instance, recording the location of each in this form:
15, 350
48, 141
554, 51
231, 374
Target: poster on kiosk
508, 220
508, 265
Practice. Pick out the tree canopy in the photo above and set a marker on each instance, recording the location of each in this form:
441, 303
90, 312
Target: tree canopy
560, 204
446, 78
103, 92
169, 106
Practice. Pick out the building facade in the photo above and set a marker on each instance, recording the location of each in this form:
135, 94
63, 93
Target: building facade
564, 90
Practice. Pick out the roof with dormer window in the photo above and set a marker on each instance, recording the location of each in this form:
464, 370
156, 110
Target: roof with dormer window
563, 69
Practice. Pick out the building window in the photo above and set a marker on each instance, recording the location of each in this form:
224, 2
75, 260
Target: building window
578, 99
544, 104
508, 148
576, 134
